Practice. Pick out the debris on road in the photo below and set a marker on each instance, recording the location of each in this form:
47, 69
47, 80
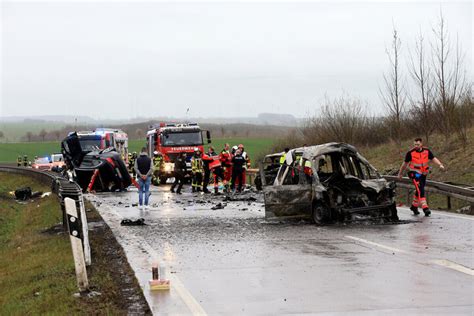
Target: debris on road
218, 206
129, 222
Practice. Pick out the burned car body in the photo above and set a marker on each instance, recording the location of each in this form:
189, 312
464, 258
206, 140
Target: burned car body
270, 166
98, 170
329, 182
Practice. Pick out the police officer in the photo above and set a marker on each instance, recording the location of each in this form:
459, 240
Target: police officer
417, 160
197, 169
157, 163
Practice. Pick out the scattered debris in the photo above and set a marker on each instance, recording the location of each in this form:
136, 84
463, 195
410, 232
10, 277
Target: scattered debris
218, 206
129, 222
25, 193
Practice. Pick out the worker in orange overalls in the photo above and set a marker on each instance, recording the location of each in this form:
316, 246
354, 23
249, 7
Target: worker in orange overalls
417, 160
226, 160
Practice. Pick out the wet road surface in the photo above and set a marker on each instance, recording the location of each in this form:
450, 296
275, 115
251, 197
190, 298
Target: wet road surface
232, 261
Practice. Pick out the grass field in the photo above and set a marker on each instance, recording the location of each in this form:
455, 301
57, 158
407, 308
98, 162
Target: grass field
36, 265
10, 152
13, 132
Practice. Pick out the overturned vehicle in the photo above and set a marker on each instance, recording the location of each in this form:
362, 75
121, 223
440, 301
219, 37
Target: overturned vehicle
329, 182
94, 169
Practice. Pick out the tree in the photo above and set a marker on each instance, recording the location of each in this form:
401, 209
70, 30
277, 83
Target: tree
450, 78
1, 135
393, 94
422, 105
43, 134
29, 135
57, 134
223, 131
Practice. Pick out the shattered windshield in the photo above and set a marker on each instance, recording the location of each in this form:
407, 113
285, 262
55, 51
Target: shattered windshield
89, 143
182, 139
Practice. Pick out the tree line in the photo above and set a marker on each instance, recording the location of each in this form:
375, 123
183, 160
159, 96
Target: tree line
425, 90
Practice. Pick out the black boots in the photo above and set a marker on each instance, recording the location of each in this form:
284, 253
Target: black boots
414, 210
427, 211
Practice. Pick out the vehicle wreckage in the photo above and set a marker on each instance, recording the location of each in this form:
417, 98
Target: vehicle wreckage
94, 169
329, 182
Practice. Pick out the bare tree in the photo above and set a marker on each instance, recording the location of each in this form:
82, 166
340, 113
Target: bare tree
393, 94
422, 104
42, 134
57, 134
29, 136
1, 135
139, 132
223, 131
449, 75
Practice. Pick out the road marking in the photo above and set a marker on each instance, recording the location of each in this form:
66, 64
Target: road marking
194, 307
454, 266
376, 244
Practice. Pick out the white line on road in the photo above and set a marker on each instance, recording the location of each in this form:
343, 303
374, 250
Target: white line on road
454, 266
176, 284
376, 244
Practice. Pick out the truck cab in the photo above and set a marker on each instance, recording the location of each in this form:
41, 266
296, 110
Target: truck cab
171, 140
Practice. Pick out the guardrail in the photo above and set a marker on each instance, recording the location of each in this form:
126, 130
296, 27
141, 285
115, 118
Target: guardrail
464, 193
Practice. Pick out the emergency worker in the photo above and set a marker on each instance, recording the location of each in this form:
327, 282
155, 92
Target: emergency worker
197, 167
207, 159
131, 163
25, 161
179, 173
247, 162
417, 160
238, 164
157, 163
283, 157
226, 160
19, 161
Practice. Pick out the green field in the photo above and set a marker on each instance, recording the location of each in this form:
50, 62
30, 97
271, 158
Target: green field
9, 152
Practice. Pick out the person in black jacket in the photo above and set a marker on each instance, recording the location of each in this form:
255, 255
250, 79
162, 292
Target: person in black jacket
179, 173
144, 170
238, 162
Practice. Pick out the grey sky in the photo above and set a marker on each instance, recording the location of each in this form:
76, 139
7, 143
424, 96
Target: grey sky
127, 59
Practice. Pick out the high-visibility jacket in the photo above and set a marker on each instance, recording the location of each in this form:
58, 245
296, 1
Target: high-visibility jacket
419, 161
282, 159
226, 158
157, 162
197, 165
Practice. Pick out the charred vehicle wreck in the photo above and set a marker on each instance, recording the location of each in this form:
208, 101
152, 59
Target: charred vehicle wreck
94, 169
329, 182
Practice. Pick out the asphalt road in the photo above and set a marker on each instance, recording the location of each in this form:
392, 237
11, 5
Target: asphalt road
232, 261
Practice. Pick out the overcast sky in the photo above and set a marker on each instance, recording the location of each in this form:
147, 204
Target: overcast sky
127, 59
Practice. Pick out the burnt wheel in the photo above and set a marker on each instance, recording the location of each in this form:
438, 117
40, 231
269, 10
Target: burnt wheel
320, 214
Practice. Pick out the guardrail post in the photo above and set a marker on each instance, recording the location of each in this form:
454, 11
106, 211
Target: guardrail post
448, 200
76, 244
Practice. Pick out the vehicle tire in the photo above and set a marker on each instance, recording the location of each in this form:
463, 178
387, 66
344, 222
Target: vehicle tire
320, 214
394, 213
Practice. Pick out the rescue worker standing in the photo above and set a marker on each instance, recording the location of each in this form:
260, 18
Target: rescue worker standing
19, 161
144, 169
417, 160
197, 169
25, 161
226, 160
207, 159
157, 163
179, 173
238, 162
131, 163
283, 157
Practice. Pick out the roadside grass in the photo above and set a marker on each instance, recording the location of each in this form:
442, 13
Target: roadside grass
37, 273
458, 160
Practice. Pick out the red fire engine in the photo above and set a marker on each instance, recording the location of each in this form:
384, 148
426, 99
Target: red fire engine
173, 139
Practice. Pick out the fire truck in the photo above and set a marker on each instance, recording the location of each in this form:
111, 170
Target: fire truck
171, 140
103, 138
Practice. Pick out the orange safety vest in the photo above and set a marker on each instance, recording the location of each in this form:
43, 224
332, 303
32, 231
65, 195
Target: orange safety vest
419, 161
